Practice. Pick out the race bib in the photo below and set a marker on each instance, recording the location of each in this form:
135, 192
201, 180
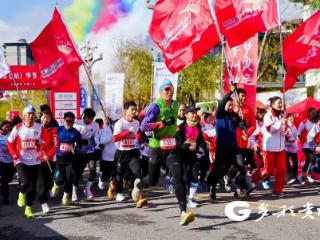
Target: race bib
66, 147
167, 143
128, 143
28, 145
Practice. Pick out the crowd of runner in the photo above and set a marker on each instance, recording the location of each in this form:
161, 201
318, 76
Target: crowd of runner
231, 147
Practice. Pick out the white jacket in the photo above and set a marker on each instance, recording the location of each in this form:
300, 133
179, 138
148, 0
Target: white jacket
105, 138
272, 131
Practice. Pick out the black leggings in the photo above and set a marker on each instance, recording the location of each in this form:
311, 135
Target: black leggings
204, 165
80, 163
248, 157
128, 167
172, 160
292, 171
45, 181
28, 176
310, 159
190, 166
64, 175
6, 175
107, 170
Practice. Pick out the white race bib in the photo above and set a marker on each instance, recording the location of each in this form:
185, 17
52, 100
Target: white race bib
168, 143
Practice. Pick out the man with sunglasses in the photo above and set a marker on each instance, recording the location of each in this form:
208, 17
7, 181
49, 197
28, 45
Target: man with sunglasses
69, 142
89, 130
161, 118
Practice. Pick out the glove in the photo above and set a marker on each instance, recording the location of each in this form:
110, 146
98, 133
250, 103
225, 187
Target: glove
169, 121
242, 124
132, 130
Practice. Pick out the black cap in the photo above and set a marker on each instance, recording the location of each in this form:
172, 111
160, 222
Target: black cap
191, 109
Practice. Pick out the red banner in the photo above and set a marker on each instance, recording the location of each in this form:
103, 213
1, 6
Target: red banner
55, 53
239, 20
183, 30
301, 49
243, 63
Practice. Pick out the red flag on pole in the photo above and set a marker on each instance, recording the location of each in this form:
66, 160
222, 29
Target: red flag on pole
239, 20
54, 51
183, 30
301, 49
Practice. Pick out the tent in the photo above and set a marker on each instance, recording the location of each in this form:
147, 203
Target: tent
299, 110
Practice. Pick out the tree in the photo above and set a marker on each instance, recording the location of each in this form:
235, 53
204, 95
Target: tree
313, 3
200, 80
135, 61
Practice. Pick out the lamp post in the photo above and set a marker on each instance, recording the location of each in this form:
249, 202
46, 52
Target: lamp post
88, 49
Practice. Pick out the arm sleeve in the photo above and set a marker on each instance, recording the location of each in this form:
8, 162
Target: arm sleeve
12, 144
149, 122
118, 134
312, 133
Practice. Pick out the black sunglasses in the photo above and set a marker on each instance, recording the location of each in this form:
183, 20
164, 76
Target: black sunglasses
69, 121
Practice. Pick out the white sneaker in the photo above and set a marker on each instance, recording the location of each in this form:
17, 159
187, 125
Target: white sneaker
45, 208
192, 203
88, 193
101, 184
291, 181
300, 179
120, 197
310, 179
74, 197
226, 183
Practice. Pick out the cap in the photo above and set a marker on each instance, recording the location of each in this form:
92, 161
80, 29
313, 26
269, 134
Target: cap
28, 109
166, 83
192, 109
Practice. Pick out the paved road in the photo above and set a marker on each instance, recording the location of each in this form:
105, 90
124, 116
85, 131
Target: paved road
103, 219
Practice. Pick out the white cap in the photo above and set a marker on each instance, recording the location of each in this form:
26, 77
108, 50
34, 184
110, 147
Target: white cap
28, 109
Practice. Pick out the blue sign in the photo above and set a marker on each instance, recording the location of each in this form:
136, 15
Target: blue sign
83, 97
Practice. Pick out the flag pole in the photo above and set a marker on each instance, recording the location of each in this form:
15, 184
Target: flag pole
94, 90
282, 65
224, 52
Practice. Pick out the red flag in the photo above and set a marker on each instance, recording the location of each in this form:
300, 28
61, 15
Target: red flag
183, 30
243, 63
301, 49
54, 51
239, 20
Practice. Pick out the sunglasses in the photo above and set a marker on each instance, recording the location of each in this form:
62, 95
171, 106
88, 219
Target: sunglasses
69, 120
168, 89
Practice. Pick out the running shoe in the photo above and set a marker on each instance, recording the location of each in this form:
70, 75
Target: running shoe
101, 184
45, 208
66, 199
279, 195
291, 181
22, 200
87, 192
266, 184
111, 191
74, 197
227, 185
192, 203
301, 179
310, 179
241, 192
186, 218
213, 193
142, 202
120, 197
28, 212
54, 190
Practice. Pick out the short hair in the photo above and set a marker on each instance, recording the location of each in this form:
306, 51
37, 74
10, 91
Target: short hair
99, 121
129, 104
207, 115
241, 90
4, 122
46, 112
290, 115
311, 109
89, 113
272, 100
69, 114
45, 107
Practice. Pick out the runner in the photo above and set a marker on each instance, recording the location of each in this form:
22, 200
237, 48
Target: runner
89, 136
6, 162
69, 144
161, 117
190, 138
24, 145
127, 156
48, 151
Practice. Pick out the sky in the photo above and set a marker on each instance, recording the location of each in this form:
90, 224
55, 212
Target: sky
26, 18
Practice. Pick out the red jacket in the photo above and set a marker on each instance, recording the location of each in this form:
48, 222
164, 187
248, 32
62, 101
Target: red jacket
250, 119
50, 143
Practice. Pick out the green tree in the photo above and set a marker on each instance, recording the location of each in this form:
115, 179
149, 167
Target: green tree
135, 61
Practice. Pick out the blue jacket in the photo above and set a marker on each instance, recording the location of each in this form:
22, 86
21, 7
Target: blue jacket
69, 142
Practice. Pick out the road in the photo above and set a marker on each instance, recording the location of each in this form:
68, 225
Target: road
104, 219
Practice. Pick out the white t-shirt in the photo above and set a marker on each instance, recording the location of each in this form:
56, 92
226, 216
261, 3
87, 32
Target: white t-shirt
5, 156
105, 138
88, 132
25, 139
129, 142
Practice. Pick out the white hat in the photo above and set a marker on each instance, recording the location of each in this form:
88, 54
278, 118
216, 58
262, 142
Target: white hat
28, 109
